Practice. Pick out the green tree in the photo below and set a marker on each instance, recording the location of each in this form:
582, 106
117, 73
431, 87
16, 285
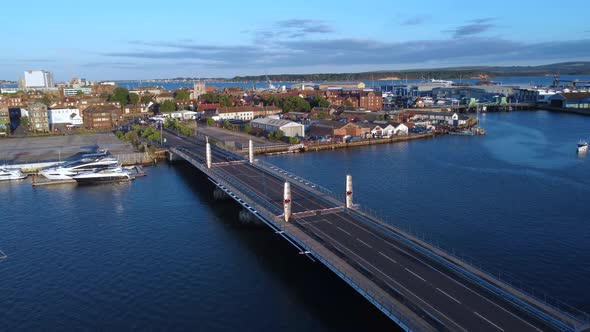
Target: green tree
272, 100
131, 137
167, 106
279, 135
151, 134
79, 93
319, 101
133, 98
210, 97
181, 95
347, 103
24, 122
295, 104
46, 100
121, 95
224, 101
247, 129
294, 140
210, 122
146, 99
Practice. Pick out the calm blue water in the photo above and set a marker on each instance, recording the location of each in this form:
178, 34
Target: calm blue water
160, 253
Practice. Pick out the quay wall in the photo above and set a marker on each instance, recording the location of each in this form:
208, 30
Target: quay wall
332, 146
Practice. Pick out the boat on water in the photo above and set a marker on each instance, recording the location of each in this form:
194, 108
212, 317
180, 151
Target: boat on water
70, 169
11, 174
104, 175
462, 133
582, 147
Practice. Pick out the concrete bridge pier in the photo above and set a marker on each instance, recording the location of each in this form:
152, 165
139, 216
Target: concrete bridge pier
287, 201
349, 191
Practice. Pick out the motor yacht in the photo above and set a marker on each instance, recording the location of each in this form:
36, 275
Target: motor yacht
11, 174
68, 170
104, 175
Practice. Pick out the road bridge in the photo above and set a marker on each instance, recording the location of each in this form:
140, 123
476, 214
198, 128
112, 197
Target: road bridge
420, 287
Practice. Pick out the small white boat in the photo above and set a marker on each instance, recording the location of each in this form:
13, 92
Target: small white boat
103, 175
582, 146
11, 174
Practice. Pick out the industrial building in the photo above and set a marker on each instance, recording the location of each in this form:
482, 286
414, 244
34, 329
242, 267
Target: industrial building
571, 100
289, 128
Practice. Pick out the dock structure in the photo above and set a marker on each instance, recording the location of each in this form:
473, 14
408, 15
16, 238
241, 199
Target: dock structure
418, 286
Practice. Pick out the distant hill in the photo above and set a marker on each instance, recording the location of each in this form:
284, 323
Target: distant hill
564, 68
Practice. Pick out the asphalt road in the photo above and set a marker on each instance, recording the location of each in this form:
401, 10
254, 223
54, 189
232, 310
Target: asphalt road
398, 267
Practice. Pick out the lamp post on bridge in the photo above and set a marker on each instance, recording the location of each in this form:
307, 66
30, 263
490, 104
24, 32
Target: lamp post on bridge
349, 191
208, 153
287, 201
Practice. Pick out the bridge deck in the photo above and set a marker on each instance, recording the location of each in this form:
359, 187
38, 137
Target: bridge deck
441, 293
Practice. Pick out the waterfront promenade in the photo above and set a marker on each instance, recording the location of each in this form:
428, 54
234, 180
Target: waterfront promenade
417, 286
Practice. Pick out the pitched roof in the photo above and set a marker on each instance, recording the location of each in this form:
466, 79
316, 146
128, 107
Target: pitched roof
575, 95
274, 122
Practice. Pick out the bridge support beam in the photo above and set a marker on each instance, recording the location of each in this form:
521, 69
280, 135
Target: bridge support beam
208, 153
349, 191
251, 151
287, 201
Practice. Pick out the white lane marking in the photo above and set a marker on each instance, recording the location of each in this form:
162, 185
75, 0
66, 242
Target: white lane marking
390, 278
447, 276
452, 298
342, 230
363, 242
417, 276
487, 320
329, 222
384, 255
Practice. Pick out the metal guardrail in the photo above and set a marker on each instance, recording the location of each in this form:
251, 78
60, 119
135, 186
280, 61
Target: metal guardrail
500, 276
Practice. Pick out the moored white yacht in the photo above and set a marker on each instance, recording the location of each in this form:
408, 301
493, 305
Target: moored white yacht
103, 175
11, 174
70, 169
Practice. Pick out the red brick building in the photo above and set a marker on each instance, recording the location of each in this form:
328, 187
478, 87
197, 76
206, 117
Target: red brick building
369, 100
102, 117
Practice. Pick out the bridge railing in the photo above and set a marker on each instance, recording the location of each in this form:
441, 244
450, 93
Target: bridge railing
493, 273
370, 289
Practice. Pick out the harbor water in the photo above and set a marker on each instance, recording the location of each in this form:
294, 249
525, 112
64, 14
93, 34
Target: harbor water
160, 253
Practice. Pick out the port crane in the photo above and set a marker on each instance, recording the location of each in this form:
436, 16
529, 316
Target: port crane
574, 83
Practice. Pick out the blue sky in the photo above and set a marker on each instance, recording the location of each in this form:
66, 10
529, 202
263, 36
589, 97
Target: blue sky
121, 39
